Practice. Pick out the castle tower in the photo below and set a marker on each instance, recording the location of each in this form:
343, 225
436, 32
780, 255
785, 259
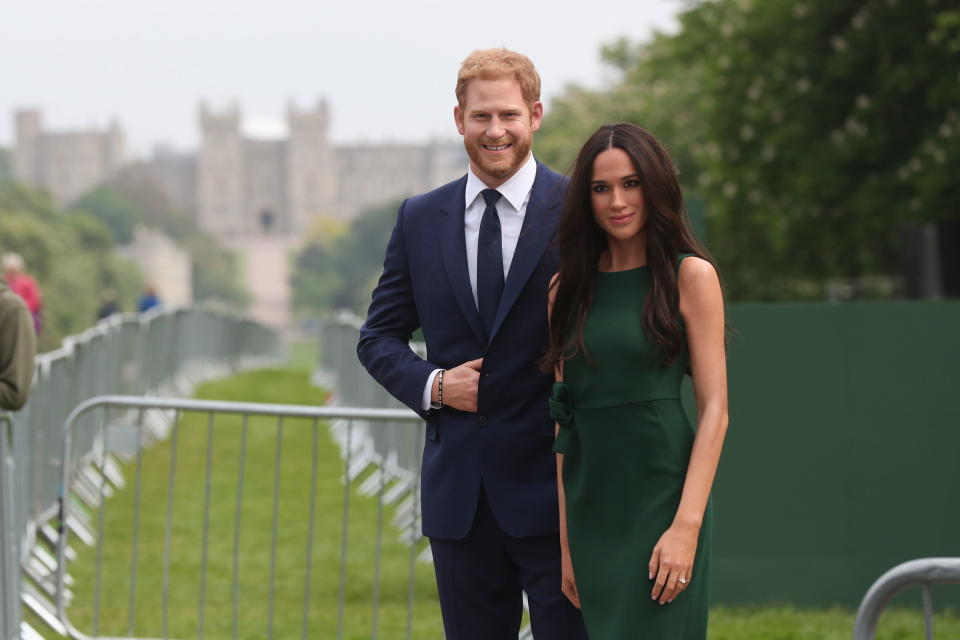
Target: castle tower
311, 167
26, 151
220, 173
112, 153
65, 163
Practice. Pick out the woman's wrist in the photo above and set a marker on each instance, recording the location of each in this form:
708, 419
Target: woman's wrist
688, 522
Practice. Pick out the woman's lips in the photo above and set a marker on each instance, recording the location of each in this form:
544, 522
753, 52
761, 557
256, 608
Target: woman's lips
620, 219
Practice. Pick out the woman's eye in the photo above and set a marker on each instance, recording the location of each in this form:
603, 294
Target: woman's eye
599, 188
631, 183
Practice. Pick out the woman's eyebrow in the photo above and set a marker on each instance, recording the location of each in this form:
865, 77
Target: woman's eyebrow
632, 175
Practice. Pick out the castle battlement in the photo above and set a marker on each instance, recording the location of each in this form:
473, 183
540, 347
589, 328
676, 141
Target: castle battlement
236, 185
67, 164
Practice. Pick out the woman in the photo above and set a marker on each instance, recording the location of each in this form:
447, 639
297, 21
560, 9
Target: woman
636, 304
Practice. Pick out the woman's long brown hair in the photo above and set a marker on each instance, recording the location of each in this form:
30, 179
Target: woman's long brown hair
581, 242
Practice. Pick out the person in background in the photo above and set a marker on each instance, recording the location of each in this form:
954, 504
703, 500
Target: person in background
22, 284
18, 349
149, 299
108, 304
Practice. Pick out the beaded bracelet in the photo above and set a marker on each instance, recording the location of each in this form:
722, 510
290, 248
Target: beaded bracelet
440, 388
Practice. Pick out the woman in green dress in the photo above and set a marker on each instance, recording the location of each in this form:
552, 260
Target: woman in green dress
635, 306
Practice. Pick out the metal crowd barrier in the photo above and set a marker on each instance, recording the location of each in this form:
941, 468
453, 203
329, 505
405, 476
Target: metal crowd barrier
8, 532
923, 572
339, 370
164, 351
90, 480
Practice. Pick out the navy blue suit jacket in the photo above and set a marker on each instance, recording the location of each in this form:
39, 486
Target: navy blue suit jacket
507, 443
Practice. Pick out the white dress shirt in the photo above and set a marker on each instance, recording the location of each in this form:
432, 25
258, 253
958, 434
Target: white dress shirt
511, 208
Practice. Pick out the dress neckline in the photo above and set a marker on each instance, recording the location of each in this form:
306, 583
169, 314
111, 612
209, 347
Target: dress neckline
643, 266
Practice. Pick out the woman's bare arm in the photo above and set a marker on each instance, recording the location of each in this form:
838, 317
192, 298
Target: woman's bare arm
568, 584
701, 305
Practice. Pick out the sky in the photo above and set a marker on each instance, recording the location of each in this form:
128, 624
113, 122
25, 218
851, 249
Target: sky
387, 68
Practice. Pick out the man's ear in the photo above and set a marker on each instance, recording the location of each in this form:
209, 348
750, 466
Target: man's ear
536, 115
458, 118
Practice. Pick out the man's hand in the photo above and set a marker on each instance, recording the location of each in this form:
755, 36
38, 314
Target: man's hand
459, 386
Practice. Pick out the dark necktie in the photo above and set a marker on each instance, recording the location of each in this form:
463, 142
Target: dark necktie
489, 262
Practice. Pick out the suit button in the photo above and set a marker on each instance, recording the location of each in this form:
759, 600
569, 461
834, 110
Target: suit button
482, 420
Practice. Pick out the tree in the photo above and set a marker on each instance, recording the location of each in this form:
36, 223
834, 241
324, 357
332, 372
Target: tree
132, 199
815, 131
6, 171
338, 269
137, 184
216, 272
114, 209
829, 122
655, 89
70, 256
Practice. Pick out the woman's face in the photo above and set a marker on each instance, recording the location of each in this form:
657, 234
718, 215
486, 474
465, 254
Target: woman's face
616, 196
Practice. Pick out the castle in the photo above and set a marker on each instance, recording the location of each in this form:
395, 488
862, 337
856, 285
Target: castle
249, 186
66, 164
236, 186
256, 196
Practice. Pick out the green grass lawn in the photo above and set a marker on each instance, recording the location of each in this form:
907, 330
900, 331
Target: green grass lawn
280, 386
291, 386
791, 623
302, 354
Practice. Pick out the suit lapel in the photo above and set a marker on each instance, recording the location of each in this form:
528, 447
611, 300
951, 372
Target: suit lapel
453, 250
539, 223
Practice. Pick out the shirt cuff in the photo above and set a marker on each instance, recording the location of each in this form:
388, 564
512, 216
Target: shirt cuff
428, 392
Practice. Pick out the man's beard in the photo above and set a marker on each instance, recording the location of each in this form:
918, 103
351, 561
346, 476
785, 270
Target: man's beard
507, 165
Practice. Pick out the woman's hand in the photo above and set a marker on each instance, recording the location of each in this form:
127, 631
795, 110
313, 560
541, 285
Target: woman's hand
671, 564
567, 582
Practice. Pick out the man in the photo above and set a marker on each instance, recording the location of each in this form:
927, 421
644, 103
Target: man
17, 349
24, 286
149, 299
469, 263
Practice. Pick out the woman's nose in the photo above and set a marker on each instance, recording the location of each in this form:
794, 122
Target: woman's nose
617, 201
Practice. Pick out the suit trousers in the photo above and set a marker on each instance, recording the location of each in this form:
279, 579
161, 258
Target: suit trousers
480, 579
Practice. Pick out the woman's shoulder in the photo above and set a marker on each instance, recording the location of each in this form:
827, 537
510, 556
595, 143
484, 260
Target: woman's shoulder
697, 277
694, 265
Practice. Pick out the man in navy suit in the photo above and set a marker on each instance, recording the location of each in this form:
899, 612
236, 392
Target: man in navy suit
469, 263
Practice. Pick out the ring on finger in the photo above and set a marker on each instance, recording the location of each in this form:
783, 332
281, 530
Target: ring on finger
682, 581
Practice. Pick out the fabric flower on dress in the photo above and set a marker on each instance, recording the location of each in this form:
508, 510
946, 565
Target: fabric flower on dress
561, 410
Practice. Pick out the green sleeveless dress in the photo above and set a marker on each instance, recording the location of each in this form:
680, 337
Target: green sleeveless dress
626, 442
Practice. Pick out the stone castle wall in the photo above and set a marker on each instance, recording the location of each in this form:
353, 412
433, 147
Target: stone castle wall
66, 164
247, 186
237, 186
258, 197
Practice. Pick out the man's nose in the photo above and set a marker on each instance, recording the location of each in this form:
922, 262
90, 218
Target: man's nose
495, 128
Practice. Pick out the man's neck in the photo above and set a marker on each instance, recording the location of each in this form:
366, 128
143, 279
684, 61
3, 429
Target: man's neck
492, 182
